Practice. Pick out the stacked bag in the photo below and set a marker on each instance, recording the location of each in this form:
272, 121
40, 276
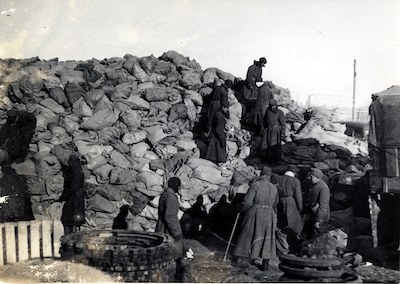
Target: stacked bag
131, 121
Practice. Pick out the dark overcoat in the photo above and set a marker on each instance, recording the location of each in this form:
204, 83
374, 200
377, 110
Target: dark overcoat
264, 96
318, 197
216, 151
73, 193
319, 194
274, 128
250, 89
375, 111
219, 98
290, 204
168, 222
18, 206
257, 231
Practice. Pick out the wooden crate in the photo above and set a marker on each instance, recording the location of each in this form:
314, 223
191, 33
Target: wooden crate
26, 240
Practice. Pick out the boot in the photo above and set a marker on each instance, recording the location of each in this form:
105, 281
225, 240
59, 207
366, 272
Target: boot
265, 265
180, 270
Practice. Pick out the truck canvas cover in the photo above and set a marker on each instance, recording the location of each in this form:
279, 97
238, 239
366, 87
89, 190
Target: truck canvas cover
390, 100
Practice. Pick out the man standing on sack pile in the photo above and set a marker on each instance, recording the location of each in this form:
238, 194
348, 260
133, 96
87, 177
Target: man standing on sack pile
264, 97
274, 131
216, 151
168, 222
257, 232
254, 75
219, 98
317, 210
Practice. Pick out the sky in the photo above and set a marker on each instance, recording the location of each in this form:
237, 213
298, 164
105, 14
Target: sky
310, 45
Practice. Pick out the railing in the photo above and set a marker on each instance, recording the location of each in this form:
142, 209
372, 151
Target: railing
26, 240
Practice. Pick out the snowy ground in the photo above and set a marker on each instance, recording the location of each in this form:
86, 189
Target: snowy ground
206, 266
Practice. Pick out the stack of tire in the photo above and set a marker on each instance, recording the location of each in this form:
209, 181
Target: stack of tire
135, 256
305, 268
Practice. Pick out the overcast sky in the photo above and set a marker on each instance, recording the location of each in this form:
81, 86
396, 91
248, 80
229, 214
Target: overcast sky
310, 45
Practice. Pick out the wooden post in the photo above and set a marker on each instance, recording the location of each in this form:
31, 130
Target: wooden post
1, 245
354, 91
11, 246
23, 253
58, 230
46, 238
35, 239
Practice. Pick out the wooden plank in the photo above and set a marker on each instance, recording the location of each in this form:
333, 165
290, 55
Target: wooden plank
58, 232
23, 253
11, 245
46, 238
1, 245
35, 239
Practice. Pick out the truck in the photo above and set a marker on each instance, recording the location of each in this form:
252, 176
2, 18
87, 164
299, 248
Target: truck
384, 152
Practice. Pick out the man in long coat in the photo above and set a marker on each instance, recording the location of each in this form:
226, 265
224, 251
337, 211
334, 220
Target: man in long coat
375, 111
168, 222
216, 151
274, 125
317, 210
376, 129
254, 75
73, 212
258, 226
290, 202
263, 98
219, 98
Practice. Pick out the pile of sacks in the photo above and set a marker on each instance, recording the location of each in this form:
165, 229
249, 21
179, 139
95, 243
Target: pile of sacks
130, 119
314, 139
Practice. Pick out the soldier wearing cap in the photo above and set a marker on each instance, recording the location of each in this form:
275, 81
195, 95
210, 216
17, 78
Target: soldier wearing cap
256, 238
317, 210
290, 202
168, 222
274, 128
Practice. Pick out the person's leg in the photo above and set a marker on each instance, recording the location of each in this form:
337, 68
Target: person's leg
265, 264
180, 269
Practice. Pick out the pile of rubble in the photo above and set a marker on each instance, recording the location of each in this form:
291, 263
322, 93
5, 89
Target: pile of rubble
131, 120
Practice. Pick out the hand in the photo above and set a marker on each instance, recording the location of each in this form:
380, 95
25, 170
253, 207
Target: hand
315, 208
317, 225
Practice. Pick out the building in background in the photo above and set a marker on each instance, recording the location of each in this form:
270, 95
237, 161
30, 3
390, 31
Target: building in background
341, 104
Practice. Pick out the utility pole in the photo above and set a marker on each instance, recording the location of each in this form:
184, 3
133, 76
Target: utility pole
354, 91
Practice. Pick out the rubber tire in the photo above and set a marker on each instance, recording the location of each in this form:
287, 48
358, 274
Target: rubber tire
311, 274
133, 255
293, 260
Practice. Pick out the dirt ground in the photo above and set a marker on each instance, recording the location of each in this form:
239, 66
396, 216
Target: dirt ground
206, 266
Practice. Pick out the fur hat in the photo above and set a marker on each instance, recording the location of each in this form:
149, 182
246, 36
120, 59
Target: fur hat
293, 169
174, 183
266, 171
316, 173
262, 61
